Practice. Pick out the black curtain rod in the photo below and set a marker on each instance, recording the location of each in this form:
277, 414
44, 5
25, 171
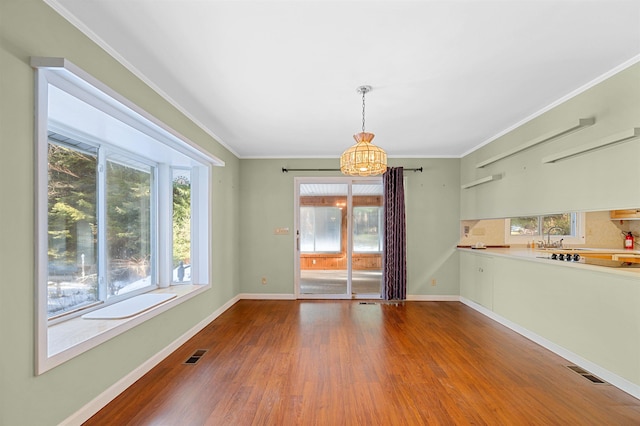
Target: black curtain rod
285, 170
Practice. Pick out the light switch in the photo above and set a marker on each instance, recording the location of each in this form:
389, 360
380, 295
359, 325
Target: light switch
281, 231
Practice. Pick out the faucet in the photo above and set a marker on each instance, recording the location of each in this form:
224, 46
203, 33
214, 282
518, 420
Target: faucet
549, 236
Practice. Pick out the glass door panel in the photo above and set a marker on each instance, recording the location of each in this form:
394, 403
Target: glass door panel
367, 238
322, 239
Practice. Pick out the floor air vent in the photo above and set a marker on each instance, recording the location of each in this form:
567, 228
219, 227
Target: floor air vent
577, 369
593, 378
584, 373
196, 356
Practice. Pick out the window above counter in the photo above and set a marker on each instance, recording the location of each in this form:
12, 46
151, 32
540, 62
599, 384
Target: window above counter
599, 231
565, 227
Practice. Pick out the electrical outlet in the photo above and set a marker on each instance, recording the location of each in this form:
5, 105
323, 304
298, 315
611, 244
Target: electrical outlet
433, 282
264, 280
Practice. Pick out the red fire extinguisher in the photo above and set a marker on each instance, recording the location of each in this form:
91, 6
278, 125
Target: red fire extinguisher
628, 241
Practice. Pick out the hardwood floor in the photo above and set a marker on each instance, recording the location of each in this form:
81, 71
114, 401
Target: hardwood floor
348, 363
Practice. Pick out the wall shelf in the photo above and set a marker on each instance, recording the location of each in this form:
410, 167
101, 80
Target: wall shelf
617, 138
628, 214
481, 181
567, 129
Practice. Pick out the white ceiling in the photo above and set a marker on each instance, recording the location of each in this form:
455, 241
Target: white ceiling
278, 79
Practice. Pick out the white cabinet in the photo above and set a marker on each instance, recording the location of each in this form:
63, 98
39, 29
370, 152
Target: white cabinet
467, 275
557, 303
531, 185
476, 278
485, 281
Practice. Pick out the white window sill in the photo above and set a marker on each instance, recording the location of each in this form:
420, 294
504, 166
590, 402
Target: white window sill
70, 338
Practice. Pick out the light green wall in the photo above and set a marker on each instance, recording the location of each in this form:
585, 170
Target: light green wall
591, 314
605, 179
267, 202
31, 28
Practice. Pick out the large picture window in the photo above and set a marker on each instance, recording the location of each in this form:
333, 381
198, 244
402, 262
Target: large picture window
123, 207
72, 280
129, 250
181, 226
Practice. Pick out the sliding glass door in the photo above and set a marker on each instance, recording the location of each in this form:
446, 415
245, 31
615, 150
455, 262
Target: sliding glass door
338, 237
367, 220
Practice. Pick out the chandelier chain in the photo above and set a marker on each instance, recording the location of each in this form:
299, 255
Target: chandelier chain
363, 93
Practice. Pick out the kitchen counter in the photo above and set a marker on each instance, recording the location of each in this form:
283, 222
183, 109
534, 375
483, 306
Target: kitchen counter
543, 257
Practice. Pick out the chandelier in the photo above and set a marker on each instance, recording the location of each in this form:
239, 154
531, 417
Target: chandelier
363, 158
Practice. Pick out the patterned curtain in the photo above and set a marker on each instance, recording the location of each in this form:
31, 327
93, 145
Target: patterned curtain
394, 257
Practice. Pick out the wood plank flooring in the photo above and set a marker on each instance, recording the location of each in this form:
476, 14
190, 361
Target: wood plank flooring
347, 363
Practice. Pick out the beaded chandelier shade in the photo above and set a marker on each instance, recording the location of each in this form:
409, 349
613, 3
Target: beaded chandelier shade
363, 158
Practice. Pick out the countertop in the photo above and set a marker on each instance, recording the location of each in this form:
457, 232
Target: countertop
536, 255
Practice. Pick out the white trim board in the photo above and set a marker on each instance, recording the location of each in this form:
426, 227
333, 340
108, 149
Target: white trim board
410, 297
432, 298
267, 296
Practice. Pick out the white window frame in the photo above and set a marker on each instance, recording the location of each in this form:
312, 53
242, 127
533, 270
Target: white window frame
577, 239
159, 145
170, 205
105, 153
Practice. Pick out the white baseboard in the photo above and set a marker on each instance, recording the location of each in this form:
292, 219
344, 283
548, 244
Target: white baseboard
117, 388
606, 375
432, 298
410, 297
266, 296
